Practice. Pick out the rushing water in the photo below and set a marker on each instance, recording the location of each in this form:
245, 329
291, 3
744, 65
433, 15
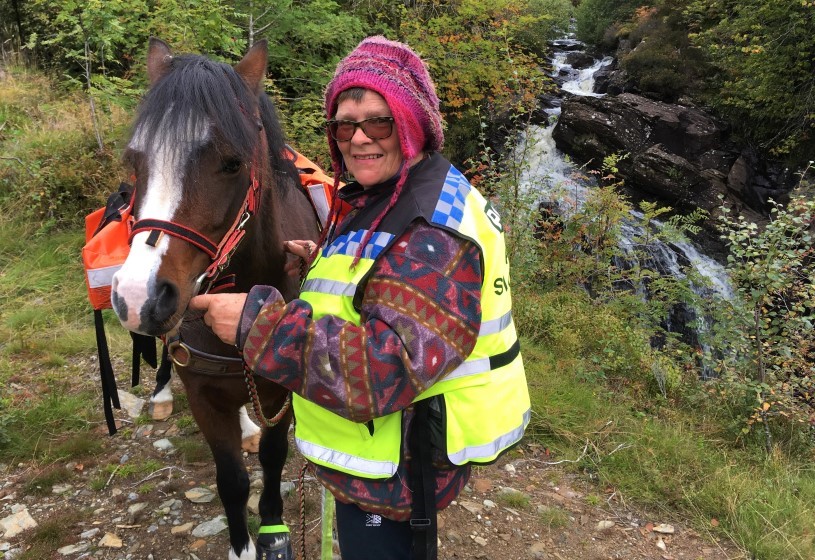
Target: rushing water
551, 177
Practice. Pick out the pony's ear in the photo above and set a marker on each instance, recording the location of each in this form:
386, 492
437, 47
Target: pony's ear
252, 67
159, 57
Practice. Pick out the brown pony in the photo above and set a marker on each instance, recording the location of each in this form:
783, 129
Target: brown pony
211, 167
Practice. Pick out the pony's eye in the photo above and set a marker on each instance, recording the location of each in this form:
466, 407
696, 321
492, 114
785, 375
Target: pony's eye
231, 166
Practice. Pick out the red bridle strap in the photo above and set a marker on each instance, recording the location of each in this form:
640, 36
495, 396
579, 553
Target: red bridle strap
220, 253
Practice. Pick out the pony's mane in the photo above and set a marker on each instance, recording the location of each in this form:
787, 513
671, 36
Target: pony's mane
204, 93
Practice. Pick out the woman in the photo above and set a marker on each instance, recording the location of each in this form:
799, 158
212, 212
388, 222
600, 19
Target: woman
401, 353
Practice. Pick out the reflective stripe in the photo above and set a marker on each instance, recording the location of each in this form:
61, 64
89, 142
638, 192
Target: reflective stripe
330, 287
495, 325
470, 367
346, 461
483, 365
494, 447
100, 277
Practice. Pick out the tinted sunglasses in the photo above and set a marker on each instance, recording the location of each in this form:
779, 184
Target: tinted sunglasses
375, 128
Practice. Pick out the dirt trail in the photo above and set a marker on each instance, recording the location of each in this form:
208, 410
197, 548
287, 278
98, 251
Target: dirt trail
523, 507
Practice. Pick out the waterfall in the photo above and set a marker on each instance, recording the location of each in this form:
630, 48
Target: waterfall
548, 176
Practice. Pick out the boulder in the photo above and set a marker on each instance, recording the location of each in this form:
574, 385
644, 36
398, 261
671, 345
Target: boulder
677, 154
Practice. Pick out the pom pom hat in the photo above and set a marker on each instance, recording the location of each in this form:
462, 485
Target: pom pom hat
394, 71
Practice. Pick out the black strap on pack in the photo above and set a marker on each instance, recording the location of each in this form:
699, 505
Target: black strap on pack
423, 519
144, 347
110, 398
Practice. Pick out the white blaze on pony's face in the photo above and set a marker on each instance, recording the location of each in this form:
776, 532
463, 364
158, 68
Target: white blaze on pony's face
136, 284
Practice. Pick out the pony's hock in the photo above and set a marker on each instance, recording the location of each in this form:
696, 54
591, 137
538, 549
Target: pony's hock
202, 167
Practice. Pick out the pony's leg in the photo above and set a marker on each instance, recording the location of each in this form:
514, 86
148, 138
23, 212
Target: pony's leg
161, 401
250, 432
220, 425
274, 540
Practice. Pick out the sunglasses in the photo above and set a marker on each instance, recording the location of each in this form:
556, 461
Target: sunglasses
375, 128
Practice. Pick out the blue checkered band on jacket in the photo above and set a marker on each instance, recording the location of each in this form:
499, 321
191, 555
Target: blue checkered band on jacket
348, 244
450, 208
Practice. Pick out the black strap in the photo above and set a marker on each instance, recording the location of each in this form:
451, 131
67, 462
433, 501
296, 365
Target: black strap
143, 347
423, 511
110, 397
114, 206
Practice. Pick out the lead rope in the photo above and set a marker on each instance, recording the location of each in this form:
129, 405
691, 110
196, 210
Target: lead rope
273, 421
302, 496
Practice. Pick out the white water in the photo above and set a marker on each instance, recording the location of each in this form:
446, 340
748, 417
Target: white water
550, 176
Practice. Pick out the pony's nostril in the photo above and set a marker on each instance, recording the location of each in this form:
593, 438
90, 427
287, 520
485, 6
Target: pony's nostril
166, 302
118, 304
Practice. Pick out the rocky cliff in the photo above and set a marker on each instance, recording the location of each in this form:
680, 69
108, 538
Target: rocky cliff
678, 154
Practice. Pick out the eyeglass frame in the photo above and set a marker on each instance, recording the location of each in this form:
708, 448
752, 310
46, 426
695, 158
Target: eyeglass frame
360, 125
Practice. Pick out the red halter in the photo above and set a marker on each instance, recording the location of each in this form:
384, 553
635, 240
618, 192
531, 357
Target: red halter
219, 253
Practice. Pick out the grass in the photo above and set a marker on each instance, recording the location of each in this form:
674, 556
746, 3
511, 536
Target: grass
42, 482
553, 518
193, 449
674, 461
49, 535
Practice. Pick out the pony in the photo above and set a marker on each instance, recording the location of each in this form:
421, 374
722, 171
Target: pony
216, 193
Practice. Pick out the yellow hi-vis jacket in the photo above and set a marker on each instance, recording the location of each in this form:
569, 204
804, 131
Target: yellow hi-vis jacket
486, 404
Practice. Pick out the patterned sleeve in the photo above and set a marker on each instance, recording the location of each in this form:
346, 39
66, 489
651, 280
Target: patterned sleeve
420, 316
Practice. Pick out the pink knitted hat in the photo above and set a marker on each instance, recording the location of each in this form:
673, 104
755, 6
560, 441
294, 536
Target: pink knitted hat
396, 73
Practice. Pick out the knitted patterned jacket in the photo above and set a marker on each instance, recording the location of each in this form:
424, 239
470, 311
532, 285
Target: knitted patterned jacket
425, 263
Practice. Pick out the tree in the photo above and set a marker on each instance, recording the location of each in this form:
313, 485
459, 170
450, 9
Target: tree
764, 53
477, 57
773, 270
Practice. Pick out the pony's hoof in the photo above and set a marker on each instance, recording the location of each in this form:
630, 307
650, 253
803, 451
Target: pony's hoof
251, 444
274, 547
161, 410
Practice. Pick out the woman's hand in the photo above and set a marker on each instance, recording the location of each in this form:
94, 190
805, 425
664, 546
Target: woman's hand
222, 313
302, 248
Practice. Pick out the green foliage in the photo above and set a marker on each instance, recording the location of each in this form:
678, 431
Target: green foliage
35, 430
596, 17
763, 84
662, 62
481, 59
51, 162
41, 483
305, 45
768, 368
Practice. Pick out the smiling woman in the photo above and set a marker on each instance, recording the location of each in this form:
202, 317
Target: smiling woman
398, 341
363, 129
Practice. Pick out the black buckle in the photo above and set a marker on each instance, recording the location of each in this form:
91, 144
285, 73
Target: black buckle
420, 523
